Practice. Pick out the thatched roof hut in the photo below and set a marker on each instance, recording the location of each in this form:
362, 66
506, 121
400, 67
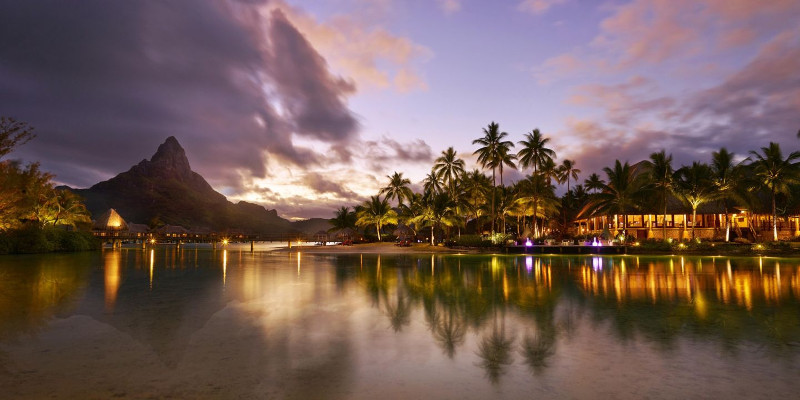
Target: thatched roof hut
345, 234
110, 221
404, 232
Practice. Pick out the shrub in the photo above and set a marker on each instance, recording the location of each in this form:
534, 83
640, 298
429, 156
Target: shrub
470, 241
33, 239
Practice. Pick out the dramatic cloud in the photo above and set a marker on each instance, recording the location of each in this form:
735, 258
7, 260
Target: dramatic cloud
240, 84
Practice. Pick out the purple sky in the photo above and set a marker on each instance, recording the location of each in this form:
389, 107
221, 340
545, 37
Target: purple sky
305, 106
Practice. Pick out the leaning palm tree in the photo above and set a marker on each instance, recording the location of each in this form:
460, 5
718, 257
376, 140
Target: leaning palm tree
449, 169
776, 174
661, 177
695, 185
621, 194
725, 177
376, 211
534, 152
397, 188
491, 154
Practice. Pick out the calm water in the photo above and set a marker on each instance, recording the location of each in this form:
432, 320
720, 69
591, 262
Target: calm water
198, 323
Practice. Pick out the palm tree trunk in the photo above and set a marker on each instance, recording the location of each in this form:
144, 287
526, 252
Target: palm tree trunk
774, 217
664, 222
727, 225
378, 229
694, 221
494, 186
432, 243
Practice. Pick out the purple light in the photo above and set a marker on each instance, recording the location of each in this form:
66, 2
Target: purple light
529, 263
596, 242
528, 243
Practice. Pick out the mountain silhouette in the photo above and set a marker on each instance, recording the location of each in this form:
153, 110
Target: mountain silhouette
165, 190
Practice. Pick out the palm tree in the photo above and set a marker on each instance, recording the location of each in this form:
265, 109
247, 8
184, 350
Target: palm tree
549, 170
476, 186
376, 211
621, 194
343, 219
449, 168
432, 183
594, 183
66, 208
397, 188
491, 153
725, 175
438, 210
538, 196
695, 185
534, 152
776, 173
505, 158
661, 177
568, 170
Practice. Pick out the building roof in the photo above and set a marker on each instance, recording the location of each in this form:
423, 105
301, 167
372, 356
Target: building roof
110, 220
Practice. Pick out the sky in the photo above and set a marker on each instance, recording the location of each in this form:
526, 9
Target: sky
307, 106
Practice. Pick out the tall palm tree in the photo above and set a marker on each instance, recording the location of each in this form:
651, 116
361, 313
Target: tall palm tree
549, 170
776, 174
476, 187
725, 176
449, 169
621, 194
539, 197
534, 152
432, 183
398, 188
695, 185
505, 158
661, 177
376, 211
567, 170
594, 183
491, 154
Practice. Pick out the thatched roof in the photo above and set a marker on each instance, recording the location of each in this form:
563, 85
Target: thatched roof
176, 229
110, 221
346, 233
137, 228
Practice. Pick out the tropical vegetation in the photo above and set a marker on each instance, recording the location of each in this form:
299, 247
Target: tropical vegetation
479, 203
34, 214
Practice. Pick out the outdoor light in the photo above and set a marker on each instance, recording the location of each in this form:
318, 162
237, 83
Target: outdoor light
224, 242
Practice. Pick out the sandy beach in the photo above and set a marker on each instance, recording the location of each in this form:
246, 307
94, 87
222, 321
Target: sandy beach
375, 248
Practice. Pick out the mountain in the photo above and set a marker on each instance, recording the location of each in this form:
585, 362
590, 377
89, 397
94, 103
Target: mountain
166, 190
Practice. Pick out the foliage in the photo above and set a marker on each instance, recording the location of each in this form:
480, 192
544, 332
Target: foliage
376, 211
34, 239
471, 241
13, 133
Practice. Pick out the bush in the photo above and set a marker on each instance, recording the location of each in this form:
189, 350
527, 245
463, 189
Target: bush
655, 245
33, 239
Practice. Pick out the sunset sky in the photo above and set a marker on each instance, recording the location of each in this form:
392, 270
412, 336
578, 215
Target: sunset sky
306, 106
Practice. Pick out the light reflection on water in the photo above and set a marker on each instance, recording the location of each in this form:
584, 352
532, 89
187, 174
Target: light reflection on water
354, 326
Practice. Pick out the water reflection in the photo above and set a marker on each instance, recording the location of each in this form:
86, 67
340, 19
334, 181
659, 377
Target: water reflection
297, 317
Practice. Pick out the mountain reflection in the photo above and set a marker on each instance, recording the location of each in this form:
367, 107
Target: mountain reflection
657, 298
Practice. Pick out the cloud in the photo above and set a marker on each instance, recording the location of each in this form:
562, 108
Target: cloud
538, 7
243, 85
373, 57
653, 78
449, 6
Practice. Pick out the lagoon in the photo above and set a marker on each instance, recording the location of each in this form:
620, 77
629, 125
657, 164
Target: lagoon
201, 323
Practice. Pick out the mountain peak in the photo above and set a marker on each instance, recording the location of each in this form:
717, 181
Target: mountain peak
171, 156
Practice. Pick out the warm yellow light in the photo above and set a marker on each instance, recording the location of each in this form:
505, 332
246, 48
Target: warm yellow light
224, 242
681, 246
152, 241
